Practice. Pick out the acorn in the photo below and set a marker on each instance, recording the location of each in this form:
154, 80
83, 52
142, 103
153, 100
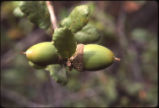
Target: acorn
42, 54
92, 57
97, 57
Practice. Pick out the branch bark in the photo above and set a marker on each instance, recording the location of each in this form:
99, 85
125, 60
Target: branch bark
52, 14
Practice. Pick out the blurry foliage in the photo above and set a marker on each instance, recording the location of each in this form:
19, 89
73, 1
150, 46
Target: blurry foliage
7, 8
132, 6
15, 33
74, 83
114, 86
149, 42
105, 25
29, 9
13, 28
140, 35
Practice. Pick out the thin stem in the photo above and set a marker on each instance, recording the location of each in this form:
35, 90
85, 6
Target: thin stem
52, 14
117, 59
23, 53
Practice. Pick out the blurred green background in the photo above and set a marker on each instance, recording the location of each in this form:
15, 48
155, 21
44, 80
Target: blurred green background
128, 28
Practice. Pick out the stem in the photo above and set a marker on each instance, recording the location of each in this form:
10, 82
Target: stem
116, 59
52, 14
23, 53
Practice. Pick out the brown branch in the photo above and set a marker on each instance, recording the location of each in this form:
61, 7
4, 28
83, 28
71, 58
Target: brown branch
52, 14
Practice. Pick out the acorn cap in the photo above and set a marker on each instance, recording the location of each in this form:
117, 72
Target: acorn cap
77, 58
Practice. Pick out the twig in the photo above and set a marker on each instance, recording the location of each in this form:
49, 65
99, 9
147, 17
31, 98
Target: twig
52, 14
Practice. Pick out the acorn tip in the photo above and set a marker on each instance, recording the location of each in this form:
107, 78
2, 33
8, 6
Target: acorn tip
117, 59
22, 52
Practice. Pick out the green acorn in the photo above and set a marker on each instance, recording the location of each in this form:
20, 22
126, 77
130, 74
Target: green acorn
42, 54
97, 57
92, 57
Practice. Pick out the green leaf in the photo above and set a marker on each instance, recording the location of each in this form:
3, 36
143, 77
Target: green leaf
77, 18
74, 84
66, 22
17, 11
58, 73
74, 73
88, 34
36, 12
65, 42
